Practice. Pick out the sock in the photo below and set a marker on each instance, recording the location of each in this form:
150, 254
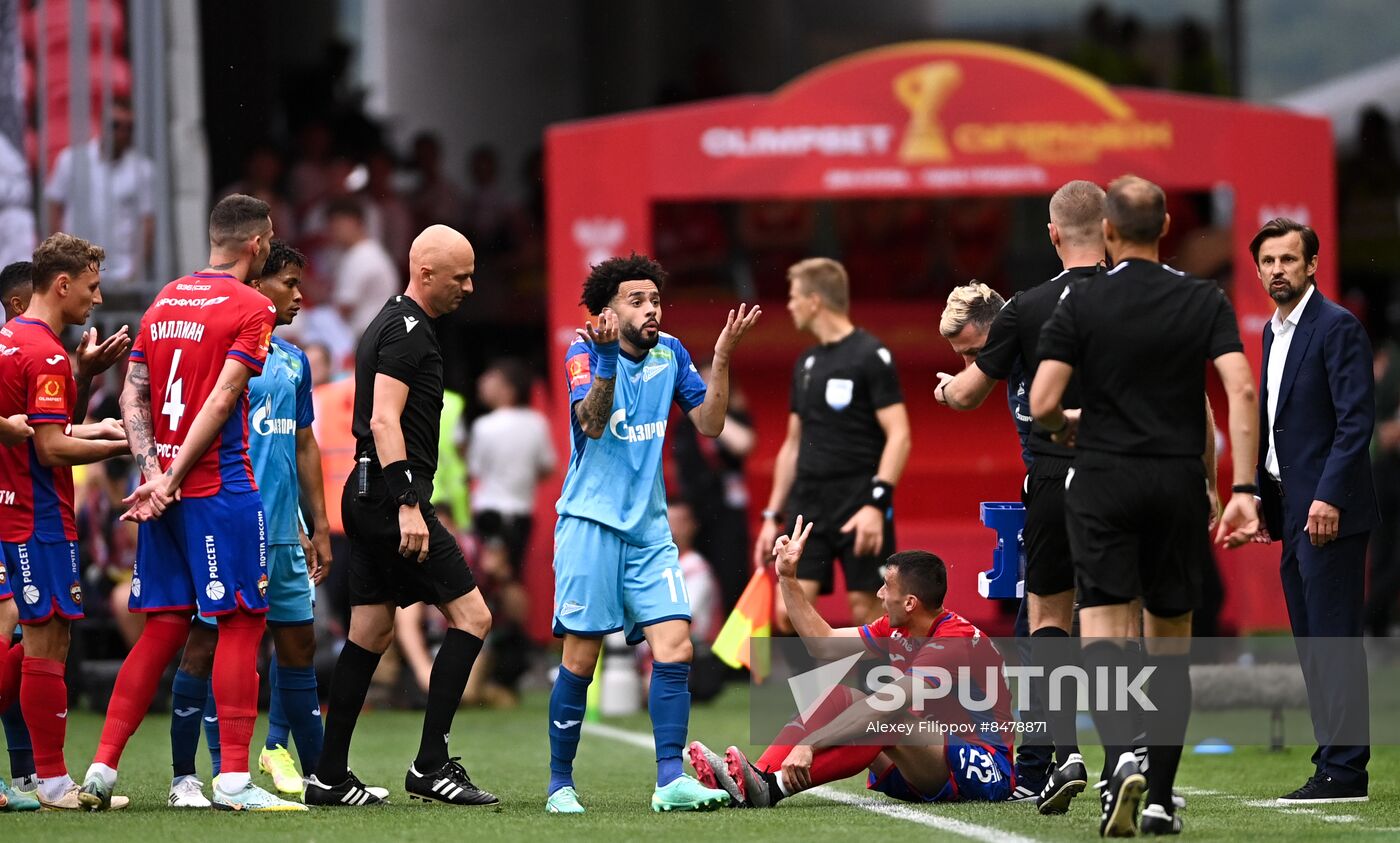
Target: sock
52, 789
45, 704
278, 729
301, 705
834, 763
1115, 727
236, 686
188, 695
353, 672
1170, 689
669, 705
163, 635
230, 783
11, 663
17, 739
210, 718
451, 667
567, 703
1049, 649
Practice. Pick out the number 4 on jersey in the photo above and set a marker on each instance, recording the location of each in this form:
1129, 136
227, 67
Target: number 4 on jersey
174, 406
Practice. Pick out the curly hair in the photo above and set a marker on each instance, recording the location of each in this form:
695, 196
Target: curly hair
280, 257
63, 253
602, 283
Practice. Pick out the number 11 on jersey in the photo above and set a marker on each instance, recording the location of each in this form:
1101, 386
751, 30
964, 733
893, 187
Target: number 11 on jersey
674, 580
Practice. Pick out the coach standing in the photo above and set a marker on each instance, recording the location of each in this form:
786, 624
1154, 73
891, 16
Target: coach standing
400, 554
1138, 338
1317, 495
846, 447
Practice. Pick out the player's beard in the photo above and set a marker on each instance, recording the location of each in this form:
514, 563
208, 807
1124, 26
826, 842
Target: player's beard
637, 337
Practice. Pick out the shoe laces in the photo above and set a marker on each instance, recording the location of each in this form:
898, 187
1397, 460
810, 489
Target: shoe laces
455, 772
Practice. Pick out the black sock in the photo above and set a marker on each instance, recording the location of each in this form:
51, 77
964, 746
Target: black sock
1051, 648
1170, 690
775, 793
1115, 727
451, 668
353, 672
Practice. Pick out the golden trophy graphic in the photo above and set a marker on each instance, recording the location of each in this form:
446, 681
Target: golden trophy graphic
923, 90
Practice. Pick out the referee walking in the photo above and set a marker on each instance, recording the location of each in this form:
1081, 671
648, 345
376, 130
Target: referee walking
1136, 340
399, 552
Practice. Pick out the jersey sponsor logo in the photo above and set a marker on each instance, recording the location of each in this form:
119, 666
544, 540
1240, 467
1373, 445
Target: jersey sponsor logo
409, 323
7, 497
214, 590
76, 592
181, 302
839, 392
48, 392
177, 329
618, 426
167, 451
262, 586
266, 339
6, 352
264, 425
135, 586
578, 371
3, 575
54, 360
31, 594
652, 370
193, 288
571, 607
211, 558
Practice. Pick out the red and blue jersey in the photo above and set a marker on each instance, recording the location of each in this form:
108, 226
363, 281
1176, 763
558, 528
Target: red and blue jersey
194, 325
36, 378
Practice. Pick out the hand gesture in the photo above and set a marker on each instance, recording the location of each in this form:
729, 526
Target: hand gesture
735, 327
940, 391
413, 534
15, 429
150, 499
94, 358
606, 332
1323, 520
1239, 524
787, 550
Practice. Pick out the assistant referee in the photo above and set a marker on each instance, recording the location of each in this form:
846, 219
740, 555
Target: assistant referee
1137, 339
400, 554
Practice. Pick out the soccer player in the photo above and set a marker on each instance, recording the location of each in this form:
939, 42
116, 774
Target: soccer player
401, 554
615, 566
284, 455
202, 536
916, 635
37, 526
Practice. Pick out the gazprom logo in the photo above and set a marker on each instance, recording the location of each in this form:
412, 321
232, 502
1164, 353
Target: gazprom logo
263, 423
635, 433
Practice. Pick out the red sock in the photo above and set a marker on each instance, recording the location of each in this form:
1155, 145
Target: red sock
835, 702
834, 763
11, 664
236, 686
44, 698
163, 635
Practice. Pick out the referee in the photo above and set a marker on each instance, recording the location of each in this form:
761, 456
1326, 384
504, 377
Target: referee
399, 552
846, 447
1136, 340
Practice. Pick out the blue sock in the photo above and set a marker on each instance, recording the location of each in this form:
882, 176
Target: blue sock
277, 726
566, 706
211, 730
17, 739
301, 705
669, 704
187, 698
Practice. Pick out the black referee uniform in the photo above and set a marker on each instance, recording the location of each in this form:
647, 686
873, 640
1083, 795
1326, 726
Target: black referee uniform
402, 344
1139, 338
1015, 338
836, 391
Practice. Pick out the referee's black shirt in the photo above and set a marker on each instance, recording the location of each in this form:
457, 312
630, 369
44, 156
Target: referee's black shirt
1139, 337
836, 390
402, 344
1015, 336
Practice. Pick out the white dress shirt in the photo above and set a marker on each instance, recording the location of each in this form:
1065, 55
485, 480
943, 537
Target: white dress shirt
1284, 329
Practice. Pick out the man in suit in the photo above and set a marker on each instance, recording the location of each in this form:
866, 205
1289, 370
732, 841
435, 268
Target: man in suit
1317, 496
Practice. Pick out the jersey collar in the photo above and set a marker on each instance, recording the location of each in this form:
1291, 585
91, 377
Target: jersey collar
203, 274
40, 323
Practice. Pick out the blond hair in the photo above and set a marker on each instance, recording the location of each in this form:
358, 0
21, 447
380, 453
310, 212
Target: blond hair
826, 279
1077, 210
973, 303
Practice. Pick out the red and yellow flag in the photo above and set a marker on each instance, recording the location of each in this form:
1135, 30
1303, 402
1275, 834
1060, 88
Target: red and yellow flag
752, 618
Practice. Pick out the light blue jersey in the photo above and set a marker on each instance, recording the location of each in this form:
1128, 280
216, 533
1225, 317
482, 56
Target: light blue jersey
279, 404
616, 480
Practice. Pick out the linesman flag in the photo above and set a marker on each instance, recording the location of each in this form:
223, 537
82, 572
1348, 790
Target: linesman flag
752, 618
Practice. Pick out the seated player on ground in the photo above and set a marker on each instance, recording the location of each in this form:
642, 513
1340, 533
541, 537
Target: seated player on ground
955, 755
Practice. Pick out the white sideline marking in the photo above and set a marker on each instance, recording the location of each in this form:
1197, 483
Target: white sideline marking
972, 831
1196, 791
1301, 811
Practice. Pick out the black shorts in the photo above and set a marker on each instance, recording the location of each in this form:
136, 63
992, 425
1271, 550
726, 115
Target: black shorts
378, 574
829, 503
1049, 566
1139, 527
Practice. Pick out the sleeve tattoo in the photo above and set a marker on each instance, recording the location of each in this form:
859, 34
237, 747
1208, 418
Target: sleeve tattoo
136, 415
593, 410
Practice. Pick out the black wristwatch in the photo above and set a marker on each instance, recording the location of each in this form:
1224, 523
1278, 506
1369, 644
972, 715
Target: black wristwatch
1245, 488
408, 498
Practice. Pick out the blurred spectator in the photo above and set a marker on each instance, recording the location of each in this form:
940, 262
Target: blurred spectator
366, 276
1198, 71
108, 544
1133, 68
334, 405
1368, 184
776, 235
1097, 52
692, 242
323, 370
394, 214
310, 175
120, 198
710, 475
1385, 450
18, 233
491, 218
450, 482
262, 178
435, 198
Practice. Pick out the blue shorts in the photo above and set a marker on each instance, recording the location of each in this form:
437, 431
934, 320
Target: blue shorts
291, 599
976, 773
45, 579
209, 553
603, 584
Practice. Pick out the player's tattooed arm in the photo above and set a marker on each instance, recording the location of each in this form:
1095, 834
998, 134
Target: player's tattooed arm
596, 406
136, 416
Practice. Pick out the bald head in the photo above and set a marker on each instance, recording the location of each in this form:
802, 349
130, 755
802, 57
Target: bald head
441, 263
1076, 211
1137, 210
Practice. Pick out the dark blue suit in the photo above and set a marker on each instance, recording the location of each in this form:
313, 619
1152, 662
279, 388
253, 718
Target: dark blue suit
1322, 429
